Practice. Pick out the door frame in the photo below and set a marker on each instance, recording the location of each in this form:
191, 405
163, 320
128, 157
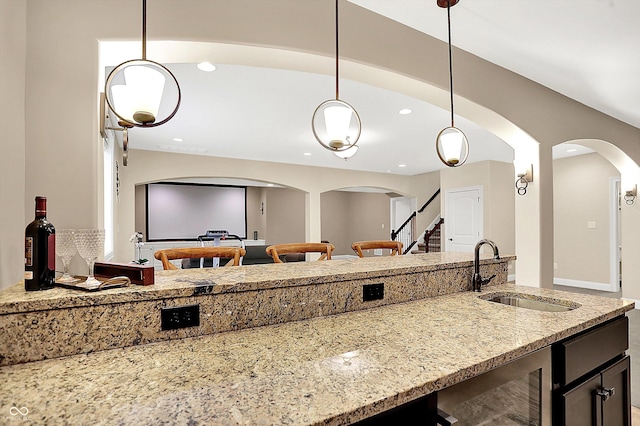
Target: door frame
413, 206
447, 204
614, 234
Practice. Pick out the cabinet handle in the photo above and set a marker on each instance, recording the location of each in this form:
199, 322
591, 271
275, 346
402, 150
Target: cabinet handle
606, 393
445, 419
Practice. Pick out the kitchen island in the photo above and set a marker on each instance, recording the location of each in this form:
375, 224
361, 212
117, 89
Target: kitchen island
335, 369
303, 348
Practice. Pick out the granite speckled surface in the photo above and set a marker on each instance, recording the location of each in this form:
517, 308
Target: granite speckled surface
67, 322
327, 370
190, 282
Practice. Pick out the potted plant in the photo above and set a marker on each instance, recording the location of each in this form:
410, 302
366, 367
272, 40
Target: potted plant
136, 239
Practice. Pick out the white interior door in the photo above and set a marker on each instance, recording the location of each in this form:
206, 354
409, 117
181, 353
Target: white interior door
463, 218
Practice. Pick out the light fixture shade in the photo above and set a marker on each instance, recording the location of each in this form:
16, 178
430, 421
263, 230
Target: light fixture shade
523, 169
452, 146
337, 119
136, 91
146, 86
336, 125
348, 153
122, 100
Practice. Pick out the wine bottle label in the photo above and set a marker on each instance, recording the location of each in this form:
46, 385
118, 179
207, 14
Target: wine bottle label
28, 275
51, 255
28, 252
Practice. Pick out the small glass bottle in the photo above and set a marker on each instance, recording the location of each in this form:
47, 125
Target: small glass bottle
40, 250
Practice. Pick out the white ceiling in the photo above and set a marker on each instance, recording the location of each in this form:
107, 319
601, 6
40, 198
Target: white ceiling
585, 49
588, 50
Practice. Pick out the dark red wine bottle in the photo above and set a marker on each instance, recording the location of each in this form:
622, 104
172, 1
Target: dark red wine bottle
40, 251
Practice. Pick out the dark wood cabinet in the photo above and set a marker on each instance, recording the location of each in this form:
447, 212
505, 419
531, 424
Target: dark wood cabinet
601, 400
616, 406
592, 378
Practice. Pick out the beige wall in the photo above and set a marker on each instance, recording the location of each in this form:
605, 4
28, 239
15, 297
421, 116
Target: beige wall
141, 210
285, 216
13, 216
256, 220
335, 220
370, 218
498, 192
630, 257
581, 192
64, 35
499, 215
354, 216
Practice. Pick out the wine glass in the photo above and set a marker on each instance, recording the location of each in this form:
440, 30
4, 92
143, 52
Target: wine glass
90, 243
66, 249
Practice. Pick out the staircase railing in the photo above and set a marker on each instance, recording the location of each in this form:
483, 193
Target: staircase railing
406, 233
429, 201
432, 238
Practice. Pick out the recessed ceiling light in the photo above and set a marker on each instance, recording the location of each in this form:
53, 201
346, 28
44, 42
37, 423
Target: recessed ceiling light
307, 153
405, 111
206, 66
269, 184
572, 150
402, 165
178, 140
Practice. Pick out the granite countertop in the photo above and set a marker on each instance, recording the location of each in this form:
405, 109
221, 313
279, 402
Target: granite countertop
327, 370
236, 279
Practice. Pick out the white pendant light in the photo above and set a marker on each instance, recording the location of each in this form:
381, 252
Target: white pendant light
336, 124
137, 97
452, 145
347, 153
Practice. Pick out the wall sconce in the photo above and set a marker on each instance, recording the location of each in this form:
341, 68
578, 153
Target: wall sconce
452, 145
630, 195
105, 124
525, 176
332, 120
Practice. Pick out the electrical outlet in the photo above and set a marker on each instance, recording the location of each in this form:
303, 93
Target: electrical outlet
377, 252
555, 266
180, 317
372, 292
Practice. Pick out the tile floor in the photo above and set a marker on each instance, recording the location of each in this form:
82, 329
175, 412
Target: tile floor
634, 347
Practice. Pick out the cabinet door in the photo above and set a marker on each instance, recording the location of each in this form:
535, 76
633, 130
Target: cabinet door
579, 404
616, 410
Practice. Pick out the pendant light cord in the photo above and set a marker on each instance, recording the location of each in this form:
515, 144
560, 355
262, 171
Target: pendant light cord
144, 29
337, 55
450, 65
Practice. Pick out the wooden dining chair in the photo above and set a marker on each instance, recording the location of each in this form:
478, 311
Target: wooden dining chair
165, 255
279, 249
394, 246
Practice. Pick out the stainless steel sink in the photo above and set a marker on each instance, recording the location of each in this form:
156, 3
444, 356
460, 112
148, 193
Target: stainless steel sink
538, 304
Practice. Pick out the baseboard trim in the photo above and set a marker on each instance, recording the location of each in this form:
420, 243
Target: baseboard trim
583, 284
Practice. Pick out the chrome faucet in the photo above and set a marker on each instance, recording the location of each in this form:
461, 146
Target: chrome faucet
477, 281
